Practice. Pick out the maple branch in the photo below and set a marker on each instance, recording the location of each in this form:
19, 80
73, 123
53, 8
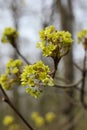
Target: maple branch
6, 99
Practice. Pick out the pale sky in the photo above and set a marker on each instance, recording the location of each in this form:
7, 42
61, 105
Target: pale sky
30, 24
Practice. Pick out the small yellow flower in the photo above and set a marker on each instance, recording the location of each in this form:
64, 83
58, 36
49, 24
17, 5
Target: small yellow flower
39, 121
8, 120
34, 115
3, 78
82, 38
81, 35
50, 116
15, 70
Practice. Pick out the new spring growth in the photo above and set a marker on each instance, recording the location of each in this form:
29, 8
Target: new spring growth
35, 76
82, 37
12, 74
9, 35
13, 66
54, 43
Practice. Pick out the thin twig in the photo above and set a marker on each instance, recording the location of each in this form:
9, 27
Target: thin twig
14, 45
62, 79
74, 122
69, 86
18, 52
27, 62
6, 99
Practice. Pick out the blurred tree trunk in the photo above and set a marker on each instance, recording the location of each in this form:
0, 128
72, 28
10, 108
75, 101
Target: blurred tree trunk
67, 21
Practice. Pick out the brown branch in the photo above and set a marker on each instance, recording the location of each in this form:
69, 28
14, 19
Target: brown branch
82, 96
56, 61
6, 99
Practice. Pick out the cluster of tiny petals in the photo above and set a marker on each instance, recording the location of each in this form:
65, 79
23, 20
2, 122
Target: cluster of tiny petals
34, 76
9, 35
12, 74
5, 81
81, 35
54, 43
13, 66
82, 38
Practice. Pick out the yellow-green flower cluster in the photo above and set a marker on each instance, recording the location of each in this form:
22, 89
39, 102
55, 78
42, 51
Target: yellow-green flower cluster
38, 120
6, 82
9, 35
12, 74
81, 35
54, 43
13, 66
8, 120
35, 76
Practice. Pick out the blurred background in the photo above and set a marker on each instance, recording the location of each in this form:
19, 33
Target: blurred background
63, 106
